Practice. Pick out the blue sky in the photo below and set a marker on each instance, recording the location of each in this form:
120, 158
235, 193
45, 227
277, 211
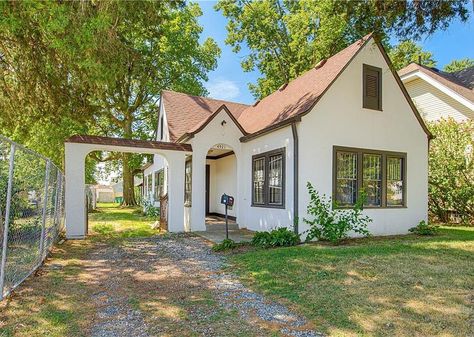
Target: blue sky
229, 81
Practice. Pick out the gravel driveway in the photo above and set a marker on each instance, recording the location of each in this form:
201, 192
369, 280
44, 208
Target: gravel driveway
176, 286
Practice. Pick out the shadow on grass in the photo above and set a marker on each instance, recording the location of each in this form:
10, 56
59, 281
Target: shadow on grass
383, 286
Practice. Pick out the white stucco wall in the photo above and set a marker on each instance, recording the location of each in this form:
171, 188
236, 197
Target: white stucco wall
262, 218
339, 119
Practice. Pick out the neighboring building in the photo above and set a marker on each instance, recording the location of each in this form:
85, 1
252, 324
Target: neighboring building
344, 125
104, 193
438, 94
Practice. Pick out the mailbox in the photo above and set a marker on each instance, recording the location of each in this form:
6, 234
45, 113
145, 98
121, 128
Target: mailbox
227, 200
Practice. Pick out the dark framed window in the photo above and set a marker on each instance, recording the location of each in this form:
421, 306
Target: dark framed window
149, 185
380, 174
188, 182
268, 179
159, 181
372, 87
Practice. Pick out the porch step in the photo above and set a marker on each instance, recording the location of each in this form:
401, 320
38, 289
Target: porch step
221, 226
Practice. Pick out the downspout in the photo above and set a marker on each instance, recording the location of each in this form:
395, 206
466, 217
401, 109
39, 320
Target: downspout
295, 177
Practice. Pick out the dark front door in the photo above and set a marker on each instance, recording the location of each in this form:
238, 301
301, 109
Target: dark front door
208, 185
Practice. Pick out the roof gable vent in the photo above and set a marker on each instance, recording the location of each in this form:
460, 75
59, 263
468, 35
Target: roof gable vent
320, 64
283, 86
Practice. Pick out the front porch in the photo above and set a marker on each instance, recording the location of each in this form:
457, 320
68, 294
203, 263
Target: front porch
215, 230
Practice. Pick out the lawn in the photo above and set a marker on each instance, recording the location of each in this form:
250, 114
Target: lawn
112, 223
399, 286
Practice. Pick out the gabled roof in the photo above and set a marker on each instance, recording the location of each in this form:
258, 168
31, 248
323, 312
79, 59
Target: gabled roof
461, 82
185, 113
299, 95
188, 114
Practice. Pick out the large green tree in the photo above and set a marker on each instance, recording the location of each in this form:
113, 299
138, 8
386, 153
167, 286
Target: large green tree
457, 65
287, 37
97, 67
407, 52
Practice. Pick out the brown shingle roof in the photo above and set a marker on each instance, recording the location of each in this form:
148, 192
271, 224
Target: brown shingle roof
149, 144
447, 79
186, 113
300, 94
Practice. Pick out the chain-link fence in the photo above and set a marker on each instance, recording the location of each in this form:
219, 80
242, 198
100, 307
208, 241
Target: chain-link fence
31, 212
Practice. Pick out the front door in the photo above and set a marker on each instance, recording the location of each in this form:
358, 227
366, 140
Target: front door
208, 185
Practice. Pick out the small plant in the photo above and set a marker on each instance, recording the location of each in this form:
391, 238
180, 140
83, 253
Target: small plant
227, 244
276, 238
423, 228
149, 209
332, 224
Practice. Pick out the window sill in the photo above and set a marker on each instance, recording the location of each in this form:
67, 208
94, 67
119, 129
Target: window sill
268, 206
364, 107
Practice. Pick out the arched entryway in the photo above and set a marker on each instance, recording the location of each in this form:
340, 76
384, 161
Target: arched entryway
221, 178
78, 147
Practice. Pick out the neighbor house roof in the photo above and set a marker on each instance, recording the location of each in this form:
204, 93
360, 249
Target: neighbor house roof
461, 82
186, 113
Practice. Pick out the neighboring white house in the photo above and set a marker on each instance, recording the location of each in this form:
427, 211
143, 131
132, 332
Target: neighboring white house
438, 94
344, 125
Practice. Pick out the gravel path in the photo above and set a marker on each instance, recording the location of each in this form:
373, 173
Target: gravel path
191, 267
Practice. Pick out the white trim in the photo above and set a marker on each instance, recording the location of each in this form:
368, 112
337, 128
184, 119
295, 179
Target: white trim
419, 74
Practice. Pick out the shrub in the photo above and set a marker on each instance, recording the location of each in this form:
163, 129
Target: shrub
424, 228
227, 244
149, 209
451, 171
276, 238
332, 224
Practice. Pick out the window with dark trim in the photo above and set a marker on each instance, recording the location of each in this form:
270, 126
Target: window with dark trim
187, 182
159, 180
149, 185
380, 174
268, 179
372, 87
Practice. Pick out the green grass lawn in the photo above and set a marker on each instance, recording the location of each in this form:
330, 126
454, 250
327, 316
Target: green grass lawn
112, 222
403, 286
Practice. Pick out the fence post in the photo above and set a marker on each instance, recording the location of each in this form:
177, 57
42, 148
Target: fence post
56, 201
7, 220
45, 206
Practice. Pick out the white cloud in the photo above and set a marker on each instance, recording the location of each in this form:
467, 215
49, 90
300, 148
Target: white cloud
223, 89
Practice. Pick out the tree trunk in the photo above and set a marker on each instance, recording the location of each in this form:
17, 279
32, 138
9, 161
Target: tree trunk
128, 184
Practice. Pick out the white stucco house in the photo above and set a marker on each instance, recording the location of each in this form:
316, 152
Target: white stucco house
438, 94
345, 125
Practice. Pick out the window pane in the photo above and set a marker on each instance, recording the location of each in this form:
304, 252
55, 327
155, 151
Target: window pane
372, 179
187, 182
346, 178
394, 181
258, 180
275, 179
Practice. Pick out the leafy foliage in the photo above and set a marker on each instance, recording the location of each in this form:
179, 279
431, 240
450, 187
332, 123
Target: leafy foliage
276, 238
226, 244
149, 209
332, 224
424, 228
407, 52
287, 38
103, 76
451, 170
457, 65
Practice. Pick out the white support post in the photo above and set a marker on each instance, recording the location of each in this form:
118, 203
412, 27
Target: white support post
45, 206
7, 220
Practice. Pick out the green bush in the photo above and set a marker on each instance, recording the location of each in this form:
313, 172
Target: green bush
227, 244
451, 171
276, 238
331, 224
424, 228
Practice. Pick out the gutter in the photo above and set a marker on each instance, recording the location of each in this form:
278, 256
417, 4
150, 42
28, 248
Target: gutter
295, 177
